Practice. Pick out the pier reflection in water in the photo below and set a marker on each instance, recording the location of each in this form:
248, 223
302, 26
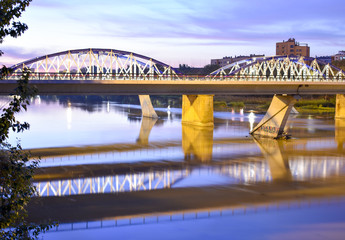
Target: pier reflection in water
164, 172
197, 145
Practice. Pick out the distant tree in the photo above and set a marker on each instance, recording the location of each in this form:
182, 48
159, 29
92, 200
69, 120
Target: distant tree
210, 68
340, 64
184, 68
16, 171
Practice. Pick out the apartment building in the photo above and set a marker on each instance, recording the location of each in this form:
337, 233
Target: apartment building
291, 47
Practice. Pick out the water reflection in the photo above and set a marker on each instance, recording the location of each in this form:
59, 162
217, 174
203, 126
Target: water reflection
220, 214
145, 129
197, 143
108, 106
69, 116
142, 181
67, 181
170, 190
340, 133
251, 119
112, 167
279, 165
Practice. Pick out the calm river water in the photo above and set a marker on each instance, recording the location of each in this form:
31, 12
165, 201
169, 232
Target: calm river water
106, 173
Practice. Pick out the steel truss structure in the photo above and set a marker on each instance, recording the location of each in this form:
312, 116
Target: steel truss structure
111, 64
95, 64
279, 68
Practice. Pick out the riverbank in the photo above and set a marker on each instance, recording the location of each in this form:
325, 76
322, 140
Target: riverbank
308, 105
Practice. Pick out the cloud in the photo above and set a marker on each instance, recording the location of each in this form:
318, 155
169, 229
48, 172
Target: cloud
51, 4
216, 20
18, 54
228, 27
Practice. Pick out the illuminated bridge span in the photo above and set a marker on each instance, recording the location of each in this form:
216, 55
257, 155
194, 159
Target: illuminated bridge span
280, 68
115, 72
111, 64
301, 168
94, 64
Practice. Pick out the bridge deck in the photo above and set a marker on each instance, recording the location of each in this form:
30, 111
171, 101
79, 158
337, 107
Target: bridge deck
175, 87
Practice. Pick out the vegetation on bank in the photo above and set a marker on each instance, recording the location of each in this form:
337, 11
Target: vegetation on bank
187, 70
320, 105
309, 104
226, 106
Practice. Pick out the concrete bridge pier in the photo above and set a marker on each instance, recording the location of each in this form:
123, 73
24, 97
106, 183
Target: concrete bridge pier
197, 110
146, 107
273, 123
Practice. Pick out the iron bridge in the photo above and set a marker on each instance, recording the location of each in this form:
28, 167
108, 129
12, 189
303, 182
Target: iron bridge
111, 64
97, 71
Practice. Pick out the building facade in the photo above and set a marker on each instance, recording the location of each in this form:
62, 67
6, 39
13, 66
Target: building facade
291, 47
339, 56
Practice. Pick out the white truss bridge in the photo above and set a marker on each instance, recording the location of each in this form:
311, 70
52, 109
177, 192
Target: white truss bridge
111, 64
94, 64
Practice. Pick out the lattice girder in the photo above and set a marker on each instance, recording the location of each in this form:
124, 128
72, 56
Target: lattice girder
280, 68
84, 64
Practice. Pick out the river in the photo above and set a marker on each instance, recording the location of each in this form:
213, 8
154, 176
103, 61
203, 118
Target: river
107, 173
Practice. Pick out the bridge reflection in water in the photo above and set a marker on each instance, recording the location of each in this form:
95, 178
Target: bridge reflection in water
193, 215
249, 173
300, 168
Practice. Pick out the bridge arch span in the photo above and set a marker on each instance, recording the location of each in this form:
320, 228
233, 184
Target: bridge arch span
96, 61
280, 68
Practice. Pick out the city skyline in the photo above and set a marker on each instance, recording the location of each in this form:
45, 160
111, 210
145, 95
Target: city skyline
175, 31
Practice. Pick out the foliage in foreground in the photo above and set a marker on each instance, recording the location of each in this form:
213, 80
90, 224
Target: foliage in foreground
16, 171
10, 10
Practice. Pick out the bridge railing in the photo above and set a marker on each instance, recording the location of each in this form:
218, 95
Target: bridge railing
90, 76
173, 77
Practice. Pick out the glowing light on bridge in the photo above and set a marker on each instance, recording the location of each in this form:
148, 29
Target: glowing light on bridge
280, 68
111, 64
94, 64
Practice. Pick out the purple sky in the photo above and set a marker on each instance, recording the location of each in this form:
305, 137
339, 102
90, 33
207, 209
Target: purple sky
178, 31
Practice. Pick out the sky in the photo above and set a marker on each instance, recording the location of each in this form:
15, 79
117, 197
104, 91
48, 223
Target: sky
178, 31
